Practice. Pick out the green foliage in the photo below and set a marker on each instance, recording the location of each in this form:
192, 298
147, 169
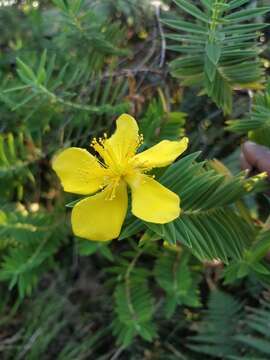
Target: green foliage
253, 262
159, 124
88, 29
228, 331
30, 241
257, 124
209, 225
134, 304
175, 277
47, 90
52, 316
255, 338
219, 48
217, 330
55, 100
87, 248
68, 69
42, 322
17, 154
134, 308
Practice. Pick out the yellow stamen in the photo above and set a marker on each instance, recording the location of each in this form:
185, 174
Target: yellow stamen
111, 189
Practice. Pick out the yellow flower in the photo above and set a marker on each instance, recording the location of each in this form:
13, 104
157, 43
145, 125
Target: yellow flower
100, 216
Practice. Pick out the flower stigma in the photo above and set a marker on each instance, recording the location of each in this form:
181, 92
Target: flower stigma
118, 165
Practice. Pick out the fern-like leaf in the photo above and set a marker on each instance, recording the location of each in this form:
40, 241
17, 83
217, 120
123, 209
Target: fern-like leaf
216, 333
209, 224
257, 124
219, 49
175, 277
134, 308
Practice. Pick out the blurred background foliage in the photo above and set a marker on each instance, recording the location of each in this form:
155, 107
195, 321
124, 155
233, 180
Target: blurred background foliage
196, 288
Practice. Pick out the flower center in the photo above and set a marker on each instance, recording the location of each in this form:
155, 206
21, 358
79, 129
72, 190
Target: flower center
116, 157
118, 160
111, 187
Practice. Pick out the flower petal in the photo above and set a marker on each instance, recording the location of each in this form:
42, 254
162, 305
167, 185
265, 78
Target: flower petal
162, 154
79, 171
152, 201
124, 142
99, 219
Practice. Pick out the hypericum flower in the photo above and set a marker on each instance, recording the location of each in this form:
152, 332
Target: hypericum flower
100, 216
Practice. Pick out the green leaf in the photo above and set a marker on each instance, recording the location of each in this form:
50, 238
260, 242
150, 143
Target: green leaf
174, 276
221, 52
208, 224
134, 310
218, 328
192, 10
257, 124
25, 72
247, 14
133, 227
87, 248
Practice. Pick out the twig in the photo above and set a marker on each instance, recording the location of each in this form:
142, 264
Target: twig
176, 353
162, 36
117, 353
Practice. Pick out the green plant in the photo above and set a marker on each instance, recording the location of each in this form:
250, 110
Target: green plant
257, 124
220, 50
67, 70
209, 220
216, 331
227, 330
174, 275
30, 242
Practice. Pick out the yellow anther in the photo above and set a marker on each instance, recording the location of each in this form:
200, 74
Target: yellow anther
111, 188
